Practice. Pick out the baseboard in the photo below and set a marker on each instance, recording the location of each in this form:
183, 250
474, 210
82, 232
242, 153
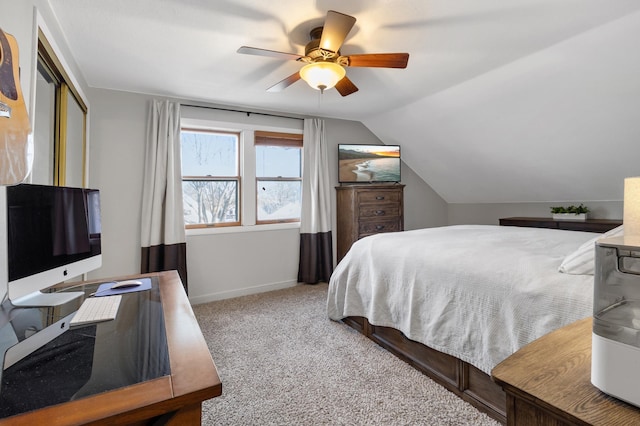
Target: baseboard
212, 297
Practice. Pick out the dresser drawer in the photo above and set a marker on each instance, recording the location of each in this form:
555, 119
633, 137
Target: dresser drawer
390, 210
363, 210
376, 226
379, 196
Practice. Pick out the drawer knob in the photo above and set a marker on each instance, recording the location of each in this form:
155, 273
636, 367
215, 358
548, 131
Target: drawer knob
379, 227
379, 197
380, 212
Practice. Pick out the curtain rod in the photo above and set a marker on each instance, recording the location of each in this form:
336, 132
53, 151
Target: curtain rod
243, 112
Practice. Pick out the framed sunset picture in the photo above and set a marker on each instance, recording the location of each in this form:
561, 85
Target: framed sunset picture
368, 163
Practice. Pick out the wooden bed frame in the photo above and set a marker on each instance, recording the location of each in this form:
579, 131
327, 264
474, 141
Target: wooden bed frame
463, 379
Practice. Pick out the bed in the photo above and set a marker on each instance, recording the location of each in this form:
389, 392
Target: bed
454, 301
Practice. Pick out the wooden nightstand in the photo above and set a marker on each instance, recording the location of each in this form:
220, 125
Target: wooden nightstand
589, 225
548, 382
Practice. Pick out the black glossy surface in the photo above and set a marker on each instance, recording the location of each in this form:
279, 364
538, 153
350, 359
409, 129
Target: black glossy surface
85, 360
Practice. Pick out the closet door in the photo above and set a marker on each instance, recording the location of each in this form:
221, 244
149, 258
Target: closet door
60, 151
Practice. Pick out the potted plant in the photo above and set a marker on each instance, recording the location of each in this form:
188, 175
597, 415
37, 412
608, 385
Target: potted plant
570, 213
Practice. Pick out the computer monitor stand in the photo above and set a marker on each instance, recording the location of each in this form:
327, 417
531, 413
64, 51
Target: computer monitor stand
37, 299
34, 342
41, 337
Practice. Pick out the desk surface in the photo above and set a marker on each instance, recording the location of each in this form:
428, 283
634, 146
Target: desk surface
193, 376
553, 374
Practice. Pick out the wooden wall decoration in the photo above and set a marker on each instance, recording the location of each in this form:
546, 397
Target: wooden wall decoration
14, 122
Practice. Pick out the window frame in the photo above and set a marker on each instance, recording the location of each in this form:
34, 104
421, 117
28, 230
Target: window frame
282, 139
212, 118
210, 178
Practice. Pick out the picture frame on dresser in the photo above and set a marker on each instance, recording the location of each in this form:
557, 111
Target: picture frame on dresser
364, 163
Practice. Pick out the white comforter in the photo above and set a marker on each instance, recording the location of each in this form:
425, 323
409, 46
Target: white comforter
476, 292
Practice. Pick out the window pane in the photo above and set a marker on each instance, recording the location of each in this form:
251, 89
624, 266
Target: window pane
209, 154
278, 161
207, 201
279, 200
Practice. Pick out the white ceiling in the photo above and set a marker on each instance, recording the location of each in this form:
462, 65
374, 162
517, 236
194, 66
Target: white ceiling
484, 77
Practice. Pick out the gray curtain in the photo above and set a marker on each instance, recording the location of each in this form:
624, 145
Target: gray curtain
163, 238
316, 252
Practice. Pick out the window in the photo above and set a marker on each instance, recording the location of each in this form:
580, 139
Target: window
210, 178
240, 172
278, 177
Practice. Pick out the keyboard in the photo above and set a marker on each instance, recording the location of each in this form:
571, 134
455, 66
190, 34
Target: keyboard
97, 309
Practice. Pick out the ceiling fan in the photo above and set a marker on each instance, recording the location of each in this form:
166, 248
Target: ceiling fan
325, 64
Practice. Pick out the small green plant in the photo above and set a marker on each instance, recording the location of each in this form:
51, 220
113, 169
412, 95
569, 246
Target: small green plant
571, 209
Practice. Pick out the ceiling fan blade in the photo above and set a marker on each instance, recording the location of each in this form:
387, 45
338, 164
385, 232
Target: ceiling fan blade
345, 87
281, 85
335, 30
380, 60
264, 52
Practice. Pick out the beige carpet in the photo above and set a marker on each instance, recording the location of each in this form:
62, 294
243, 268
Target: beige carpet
283, 362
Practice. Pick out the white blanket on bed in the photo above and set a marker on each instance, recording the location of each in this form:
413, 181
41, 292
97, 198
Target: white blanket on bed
476, 292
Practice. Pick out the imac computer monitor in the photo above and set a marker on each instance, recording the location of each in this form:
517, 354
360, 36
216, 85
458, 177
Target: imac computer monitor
52, 235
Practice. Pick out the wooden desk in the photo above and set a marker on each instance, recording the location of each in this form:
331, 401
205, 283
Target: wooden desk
548, 382
589, 225
176, 398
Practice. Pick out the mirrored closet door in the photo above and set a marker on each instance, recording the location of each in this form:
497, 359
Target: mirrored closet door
60, 124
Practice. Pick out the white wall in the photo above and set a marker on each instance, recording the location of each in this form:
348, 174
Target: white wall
118, 123
423, 207
560, 124
234, 264
490, 213
219, 265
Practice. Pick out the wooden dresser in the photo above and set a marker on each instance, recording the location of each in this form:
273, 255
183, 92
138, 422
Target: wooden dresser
589, 225
548, 382
366, 210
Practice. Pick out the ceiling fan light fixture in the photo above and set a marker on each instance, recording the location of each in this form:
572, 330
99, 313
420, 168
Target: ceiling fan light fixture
322, 75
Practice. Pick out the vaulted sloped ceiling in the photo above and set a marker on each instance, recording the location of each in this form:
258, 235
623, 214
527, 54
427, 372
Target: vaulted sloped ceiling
560, 124
502, 101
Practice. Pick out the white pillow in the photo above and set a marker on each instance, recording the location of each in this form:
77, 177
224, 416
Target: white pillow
582, 261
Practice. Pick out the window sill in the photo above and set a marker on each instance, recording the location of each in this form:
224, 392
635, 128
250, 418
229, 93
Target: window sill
240, 229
